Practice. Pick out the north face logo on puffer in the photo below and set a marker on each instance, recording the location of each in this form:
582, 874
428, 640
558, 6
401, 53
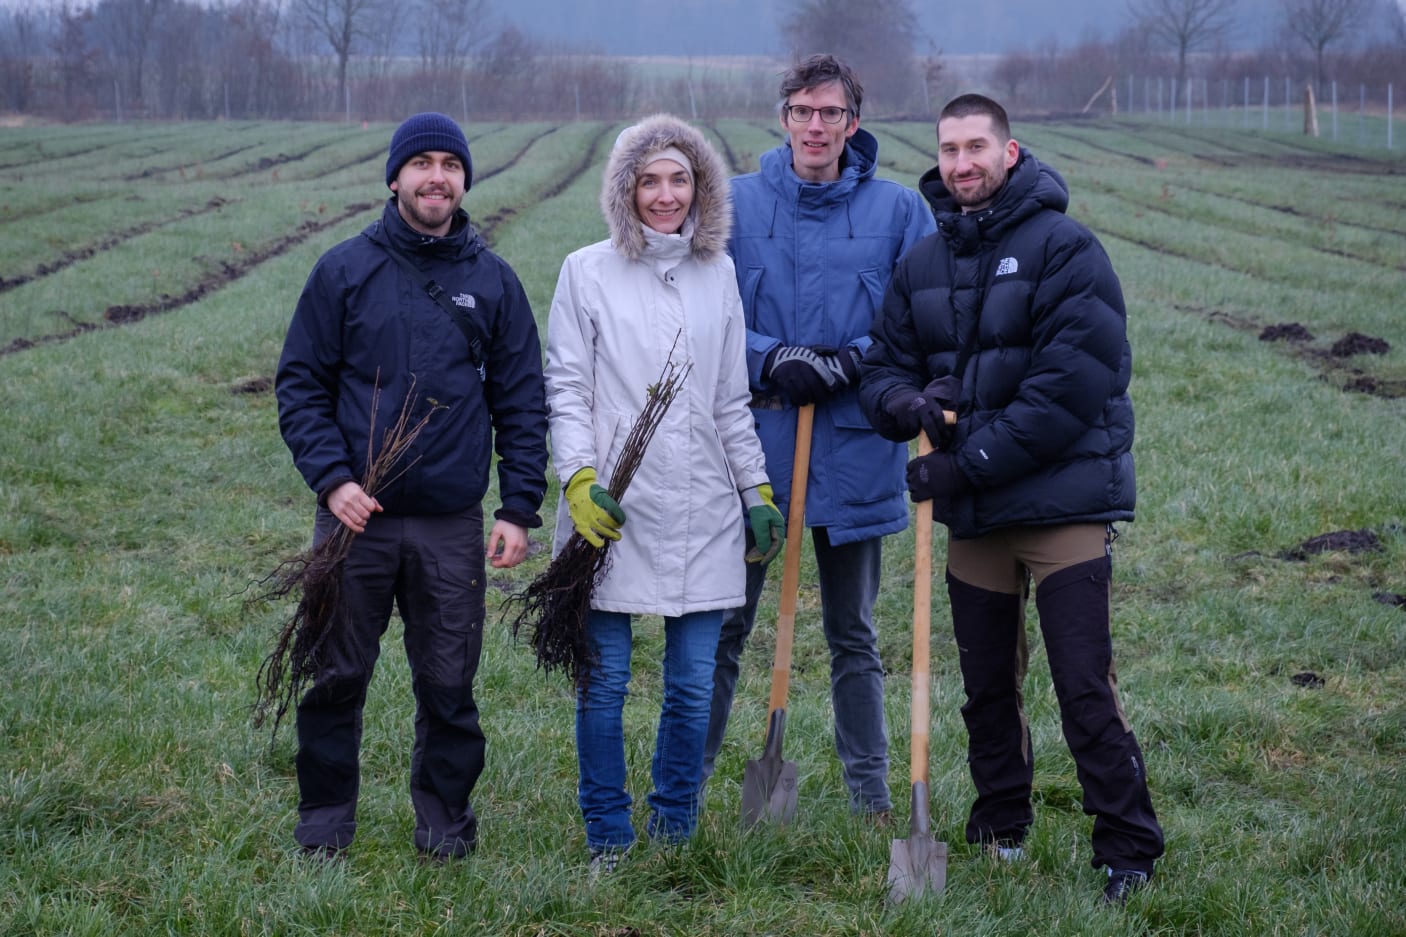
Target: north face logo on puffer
1008, 265
466, 301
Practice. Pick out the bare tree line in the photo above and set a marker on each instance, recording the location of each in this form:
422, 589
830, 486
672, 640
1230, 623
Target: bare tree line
379, 60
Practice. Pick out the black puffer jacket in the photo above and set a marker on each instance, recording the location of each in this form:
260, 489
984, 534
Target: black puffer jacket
361, 320
1045, 424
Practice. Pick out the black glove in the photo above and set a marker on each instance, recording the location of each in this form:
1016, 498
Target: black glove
914, 410
936, 475
843, 363
940, 395
800, 374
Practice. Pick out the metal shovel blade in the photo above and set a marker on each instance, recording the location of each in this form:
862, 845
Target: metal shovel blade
918, 864
769, 782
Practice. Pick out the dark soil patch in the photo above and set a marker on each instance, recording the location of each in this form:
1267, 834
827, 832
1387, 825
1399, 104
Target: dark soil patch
1355, 343
1330, 362
1339, 541
1308, 680
254, 385
1286, 332
1391, 598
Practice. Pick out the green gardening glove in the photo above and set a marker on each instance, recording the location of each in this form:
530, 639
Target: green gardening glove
768, 527
593, 511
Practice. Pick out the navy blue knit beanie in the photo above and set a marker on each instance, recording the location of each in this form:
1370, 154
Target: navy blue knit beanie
423, 133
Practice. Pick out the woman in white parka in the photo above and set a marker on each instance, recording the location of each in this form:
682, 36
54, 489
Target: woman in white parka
662, 283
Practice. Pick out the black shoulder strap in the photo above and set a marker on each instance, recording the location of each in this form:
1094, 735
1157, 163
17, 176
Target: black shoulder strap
436, 292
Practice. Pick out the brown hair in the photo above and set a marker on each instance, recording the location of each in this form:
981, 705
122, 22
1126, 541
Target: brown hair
971, 105
821, 69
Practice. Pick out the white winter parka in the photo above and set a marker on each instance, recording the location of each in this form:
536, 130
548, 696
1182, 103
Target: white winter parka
621, 306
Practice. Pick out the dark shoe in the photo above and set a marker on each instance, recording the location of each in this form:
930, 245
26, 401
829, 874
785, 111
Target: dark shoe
1122, 883
328, 854
879, 819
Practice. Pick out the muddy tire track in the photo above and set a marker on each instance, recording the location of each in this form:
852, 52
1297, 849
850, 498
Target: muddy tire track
1305, 159
734, 164
516, 157
151, 171
1148, 207
68, 258
125, 314
490, 224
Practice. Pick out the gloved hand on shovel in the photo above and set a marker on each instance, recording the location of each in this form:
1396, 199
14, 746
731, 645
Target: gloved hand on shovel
914, 410
768, 527
936, 475
594, 512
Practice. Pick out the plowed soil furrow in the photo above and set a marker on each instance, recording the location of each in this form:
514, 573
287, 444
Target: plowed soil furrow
729, 154
1306, 159
490, 224
516, 157
180, 167
69, 258
120, 315
1156, 209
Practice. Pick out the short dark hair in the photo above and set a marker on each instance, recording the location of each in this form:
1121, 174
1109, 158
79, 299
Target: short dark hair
821, 69
971, 105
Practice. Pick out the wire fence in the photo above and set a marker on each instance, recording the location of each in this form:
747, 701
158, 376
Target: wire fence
1343, 114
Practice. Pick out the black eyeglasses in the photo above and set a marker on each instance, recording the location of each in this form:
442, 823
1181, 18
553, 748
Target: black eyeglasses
801, 113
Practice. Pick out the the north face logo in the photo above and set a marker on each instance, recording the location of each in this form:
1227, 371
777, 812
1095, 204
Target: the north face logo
466, 301
1008, 265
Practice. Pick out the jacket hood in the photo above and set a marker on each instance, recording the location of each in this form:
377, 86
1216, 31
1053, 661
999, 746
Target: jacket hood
710, 216
861, 161
462, 241
1031, 186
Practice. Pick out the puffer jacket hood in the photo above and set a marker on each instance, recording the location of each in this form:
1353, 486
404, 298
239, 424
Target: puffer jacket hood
710, 216
1030, 187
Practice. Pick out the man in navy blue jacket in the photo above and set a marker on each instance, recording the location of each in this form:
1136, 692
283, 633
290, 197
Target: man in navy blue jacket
1012, 316
368, 338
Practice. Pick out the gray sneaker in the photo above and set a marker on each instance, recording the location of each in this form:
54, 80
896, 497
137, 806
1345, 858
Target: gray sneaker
604, 860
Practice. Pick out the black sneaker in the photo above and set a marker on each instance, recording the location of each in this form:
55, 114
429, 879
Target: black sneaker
322, 853
1122, 883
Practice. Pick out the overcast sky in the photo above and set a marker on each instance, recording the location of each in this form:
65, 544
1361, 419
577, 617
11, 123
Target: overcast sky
750, 27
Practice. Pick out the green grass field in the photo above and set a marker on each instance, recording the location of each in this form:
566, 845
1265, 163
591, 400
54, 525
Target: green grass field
147, 274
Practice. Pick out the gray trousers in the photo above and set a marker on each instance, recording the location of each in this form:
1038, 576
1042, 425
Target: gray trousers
849, 584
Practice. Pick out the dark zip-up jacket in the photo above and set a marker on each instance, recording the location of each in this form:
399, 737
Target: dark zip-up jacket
363, 323
1029, 297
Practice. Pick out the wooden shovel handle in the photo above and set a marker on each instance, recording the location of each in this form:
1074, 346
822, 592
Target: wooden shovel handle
791, 562
922, 627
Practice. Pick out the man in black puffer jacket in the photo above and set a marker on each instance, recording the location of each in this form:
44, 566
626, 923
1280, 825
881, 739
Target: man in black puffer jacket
1012, 316
368, 338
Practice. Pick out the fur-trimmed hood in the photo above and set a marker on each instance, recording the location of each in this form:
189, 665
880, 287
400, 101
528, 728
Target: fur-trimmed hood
710, 216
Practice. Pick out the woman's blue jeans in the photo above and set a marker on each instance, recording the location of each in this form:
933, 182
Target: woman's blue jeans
690, 643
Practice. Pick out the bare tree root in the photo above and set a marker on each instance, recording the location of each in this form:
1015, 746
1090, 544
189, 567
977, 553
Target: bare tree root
557, 603
314, 576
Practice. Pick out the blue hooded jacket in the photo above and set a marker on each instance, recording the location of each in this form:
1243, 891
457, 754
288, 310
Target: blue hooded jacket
362, 323
813, 261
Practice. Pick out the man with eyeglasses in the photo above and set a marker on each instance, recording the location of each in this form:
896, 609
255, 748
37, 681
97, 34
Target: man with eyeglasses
815, 239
